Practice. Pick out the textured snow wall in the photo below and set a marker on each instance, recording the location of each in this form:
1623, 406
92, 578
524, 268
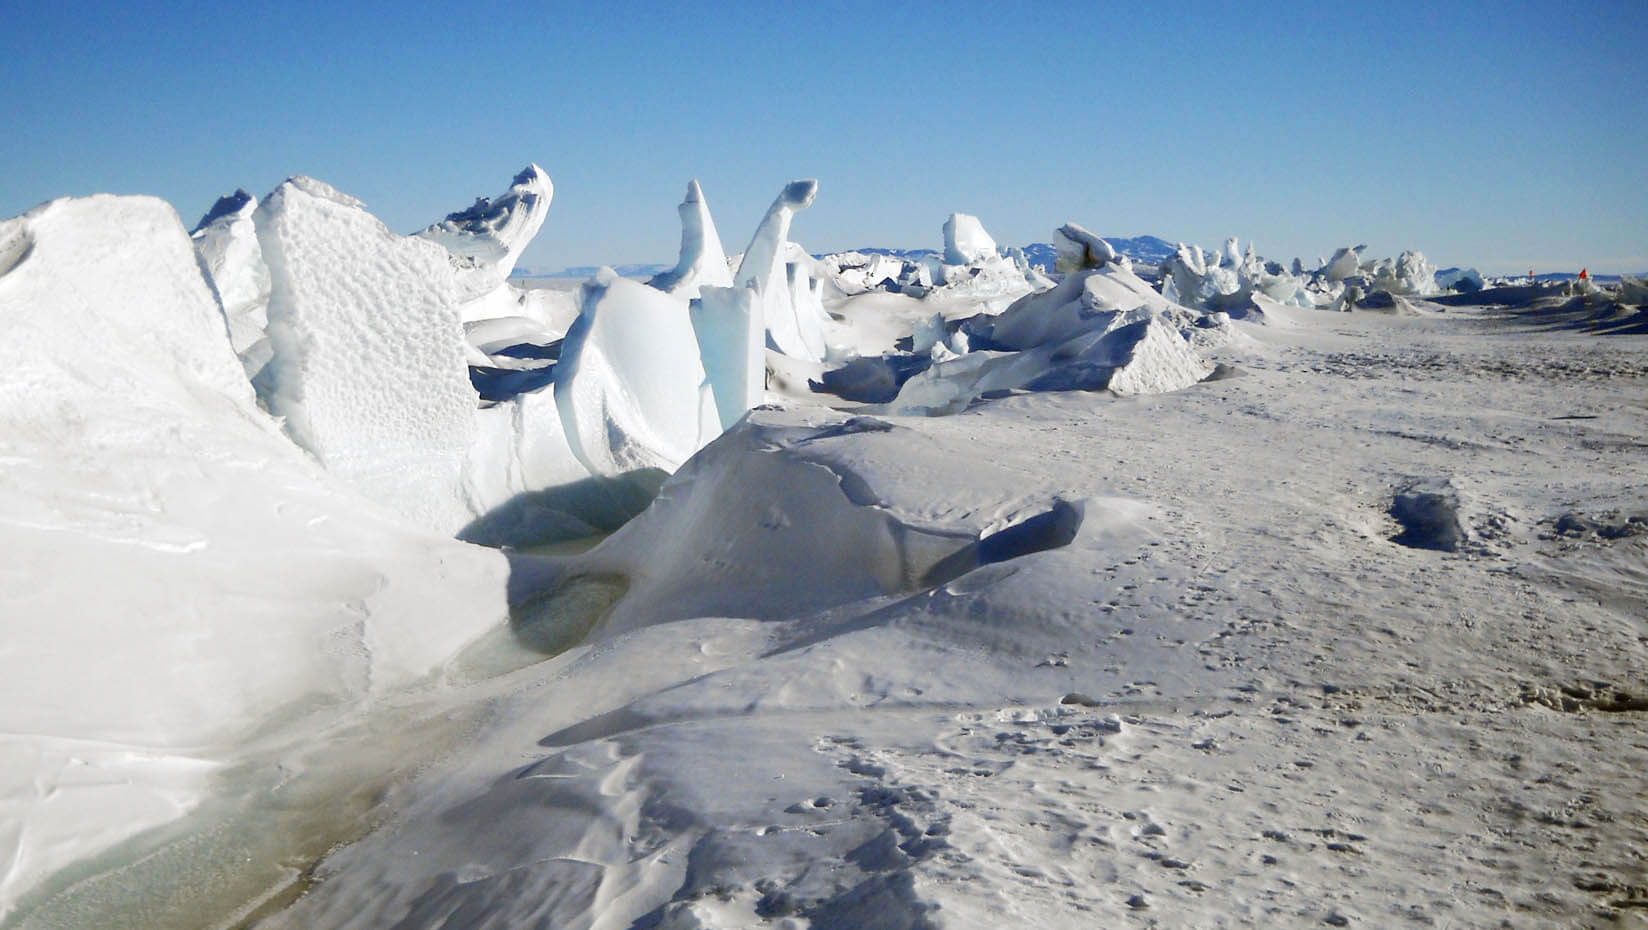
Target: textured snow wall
368, 362
227, 242
702, 262
629, 384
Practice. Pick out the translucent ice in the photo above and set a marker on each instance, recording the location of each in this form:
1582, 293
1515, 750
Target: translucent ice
629, 384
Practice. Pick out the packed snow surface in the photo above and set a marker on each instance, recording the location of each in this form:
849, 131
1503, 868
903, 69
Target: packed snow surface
866, 590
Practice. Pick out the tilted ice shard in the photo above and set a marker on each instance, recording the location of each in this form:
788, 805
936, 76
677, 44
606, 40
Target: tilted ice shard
491, 234
1077, 249
1344, 263
794, 318
629, 383
763, 264
732, 346
965, 240
227, 243
368, 361
702, 261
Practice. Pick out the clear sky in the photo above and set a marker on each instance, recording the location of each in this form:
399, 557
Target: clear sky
1506, 135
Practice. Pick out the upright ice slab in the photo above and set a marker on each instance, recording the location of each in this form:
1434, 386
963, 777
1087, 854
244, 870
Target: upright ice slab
368, 361
629, 384
702, 262
731, 344
965, 240
227, 242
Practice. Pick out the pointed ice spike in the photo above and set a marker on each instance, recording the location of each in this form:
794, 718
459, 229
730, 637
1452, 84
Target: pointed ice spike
703, 262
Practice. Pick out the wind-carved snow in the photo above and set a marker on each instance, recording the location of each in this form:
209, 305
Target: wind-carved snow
488, 237
702, 262
358, 316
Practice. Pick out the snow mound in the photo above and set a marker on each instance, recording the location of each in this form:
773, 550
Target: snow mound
776, 519
702, 260
368, 361
630, 386
227, 242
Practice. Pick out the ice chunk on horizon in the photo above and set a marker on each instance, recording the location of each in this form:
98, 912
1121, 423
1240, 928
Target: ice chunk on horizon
1077, 248
358, 316
965, 240
703, 262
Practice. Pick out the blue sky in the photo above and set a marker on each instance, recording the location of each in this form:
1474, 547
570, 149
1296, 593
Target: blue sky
1505, 135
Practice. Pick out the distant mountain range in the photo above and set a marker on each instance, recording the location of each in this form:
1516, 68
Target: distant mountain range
1148, 250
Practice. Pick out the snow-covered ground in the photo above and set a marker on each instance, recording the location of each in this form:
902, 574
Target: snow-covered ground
1353, 632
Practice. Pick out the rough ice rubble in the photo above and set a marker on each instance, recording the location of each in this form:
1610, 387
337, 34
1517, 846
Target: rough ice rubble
702, 262
970, 266
148, 472
1100, 328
